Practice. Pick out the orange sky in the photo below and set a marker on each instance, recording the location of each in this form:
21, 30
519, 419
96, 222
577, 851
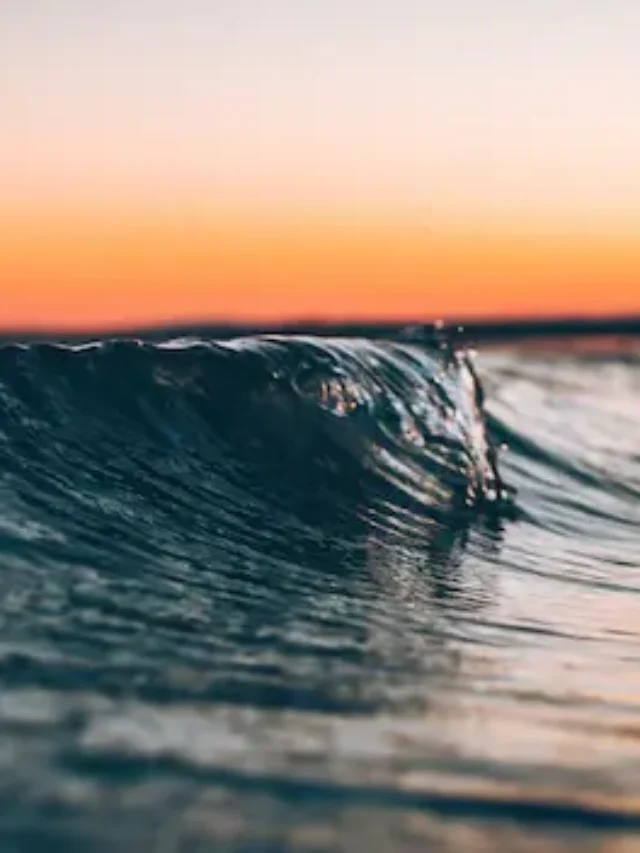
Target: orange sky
181, 160
72, 271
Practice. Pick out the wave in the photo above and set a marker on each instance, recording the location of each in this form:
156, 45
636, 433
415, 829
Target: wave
94, 430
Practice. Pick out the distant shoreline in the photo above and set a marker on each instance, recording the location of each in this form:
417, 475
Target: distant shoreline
495, 331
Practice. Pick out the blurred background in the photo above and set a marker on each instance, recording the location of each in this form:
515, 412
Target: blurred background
271, 160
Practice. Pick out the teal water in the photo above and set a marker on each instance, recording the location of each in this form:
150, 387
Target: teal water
293, 593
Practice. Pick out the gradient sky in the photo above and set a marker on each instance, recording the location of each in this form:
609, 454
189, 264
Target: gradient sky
267, 158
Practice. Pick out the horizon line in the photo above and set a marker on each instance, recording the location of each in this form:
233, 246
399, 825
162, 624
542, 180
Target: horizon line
491, 329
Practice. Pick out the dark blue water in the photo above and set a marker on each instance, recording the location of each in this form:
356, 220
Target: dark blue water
319, 594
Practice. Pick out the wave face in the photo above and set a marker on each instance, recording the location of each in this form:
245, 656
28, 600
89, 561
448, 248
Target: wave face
281, 593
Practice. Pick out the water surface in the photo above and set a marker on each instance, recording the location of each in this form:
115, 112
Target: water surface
293, 593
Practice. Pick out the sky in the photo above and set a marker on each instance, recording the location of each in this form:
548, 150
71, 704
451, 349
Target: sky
274, 159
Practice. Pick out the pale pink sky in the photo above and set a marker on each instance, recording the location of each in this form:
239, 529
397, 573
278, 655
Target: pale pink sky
452, 109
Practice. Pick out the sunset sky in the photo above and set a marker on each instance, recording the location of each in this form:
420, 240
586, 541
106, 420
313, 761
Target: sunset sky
275, 159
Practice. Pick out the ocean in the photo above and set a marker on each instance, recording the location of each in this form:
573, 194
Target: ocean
294, 592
